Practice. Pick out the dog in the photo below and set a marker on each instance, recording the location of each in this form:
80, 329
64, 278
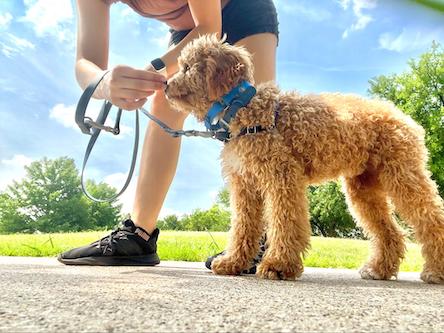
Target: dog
378, 152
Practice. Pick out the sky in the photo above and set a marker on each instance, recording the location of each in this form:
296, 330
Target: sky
325, 45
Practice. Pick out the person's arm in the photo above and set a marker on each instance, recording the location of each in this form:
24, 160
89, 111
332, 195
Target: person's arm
207, 16
124, 86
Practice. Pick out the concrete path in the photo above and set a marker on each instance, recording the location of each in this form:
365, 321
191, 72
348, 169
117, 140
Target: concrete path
41, 295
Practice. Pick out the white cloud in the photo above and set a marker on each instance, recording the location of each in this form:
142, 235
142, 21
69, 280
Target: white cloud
50, 18
128, 12
13, 169
117, 180
21, 43
361, 19
344, 3
213, 195
165, 211
7, 51
18, 160
65, 115
125, 19
5, 20
159, 35
161, 41
409, 39
12, 45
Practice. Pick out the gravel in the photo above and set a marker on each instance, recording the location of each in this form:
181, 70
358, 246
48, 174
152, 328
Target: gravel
41, 295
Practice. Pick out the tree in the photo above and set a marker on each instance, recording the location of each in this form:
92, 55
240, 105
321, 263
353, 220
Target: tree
217, 218
223, 198
102, 215
329, 215
170, 222
50, 199
213, 219
11, 218
419, 92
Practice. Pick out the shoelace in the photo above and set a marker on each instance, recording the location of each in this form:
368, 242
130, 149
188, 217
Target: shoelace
110, 241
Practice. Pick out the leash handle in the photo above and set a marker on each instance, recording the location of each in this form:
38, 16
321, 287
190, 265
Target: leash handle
82, 105
93, 128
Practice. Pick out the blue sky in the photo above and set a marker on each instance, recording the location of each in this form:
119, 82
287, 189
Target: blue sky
326, 45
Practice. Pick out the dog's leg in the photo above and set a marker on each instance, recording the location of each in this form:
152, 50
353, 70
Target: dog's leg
369, 205
416, 198
288, 234
246, 228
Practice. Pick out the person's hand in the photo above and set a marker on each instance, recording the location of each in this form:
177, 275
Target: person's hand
128, 88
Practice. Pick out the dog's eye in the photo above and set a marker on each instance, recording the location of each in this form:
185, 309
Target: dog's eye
186, 67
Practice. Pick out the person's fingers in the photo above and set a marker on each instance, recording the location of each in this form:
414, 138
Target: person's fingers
138, 84
128, 84
132, 94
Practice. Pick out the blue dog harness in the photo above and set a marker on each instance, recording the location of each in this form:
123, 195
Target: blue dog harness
223, 111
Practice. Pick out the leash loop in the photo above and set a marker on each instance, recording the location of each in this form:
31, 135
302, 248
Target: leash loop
94, 127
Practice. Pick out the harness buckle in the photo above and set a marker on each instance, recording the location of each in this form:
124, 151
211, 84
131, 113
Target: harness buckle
252, 130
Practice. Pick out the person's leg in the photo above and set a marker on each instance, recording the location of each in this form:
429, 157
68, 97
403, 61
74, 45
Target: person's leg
135, 241
158, 164
263, 48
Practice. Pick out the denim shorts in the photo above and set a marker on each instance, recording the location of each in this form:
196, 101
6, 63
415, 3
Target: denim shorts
240, 19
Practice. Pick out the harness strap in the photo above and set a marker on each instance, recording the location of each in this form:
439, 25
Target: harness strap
260, 128
252, 130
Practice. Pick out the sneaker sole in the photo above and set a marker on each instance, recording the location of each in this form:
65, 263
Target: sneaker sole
146, 260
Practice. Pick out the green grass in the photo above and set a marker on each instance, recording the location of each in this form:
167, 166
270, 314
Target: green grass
196, 246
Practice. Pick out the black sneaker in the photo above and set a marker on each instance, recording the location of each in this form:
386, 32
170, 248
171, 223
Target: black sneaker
128, 245
256, 260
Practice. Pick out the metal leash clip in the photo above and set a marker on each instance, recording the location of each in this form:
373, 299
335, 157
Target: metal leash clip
114, 130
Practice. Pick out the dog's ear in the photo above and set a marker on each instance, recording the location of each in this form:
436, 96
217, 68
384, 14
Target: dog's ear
227, 70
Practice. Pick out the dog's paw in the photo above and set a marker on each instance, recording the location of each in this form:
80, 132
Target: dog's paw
226, 265
371, 272
279, 270
430, 276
